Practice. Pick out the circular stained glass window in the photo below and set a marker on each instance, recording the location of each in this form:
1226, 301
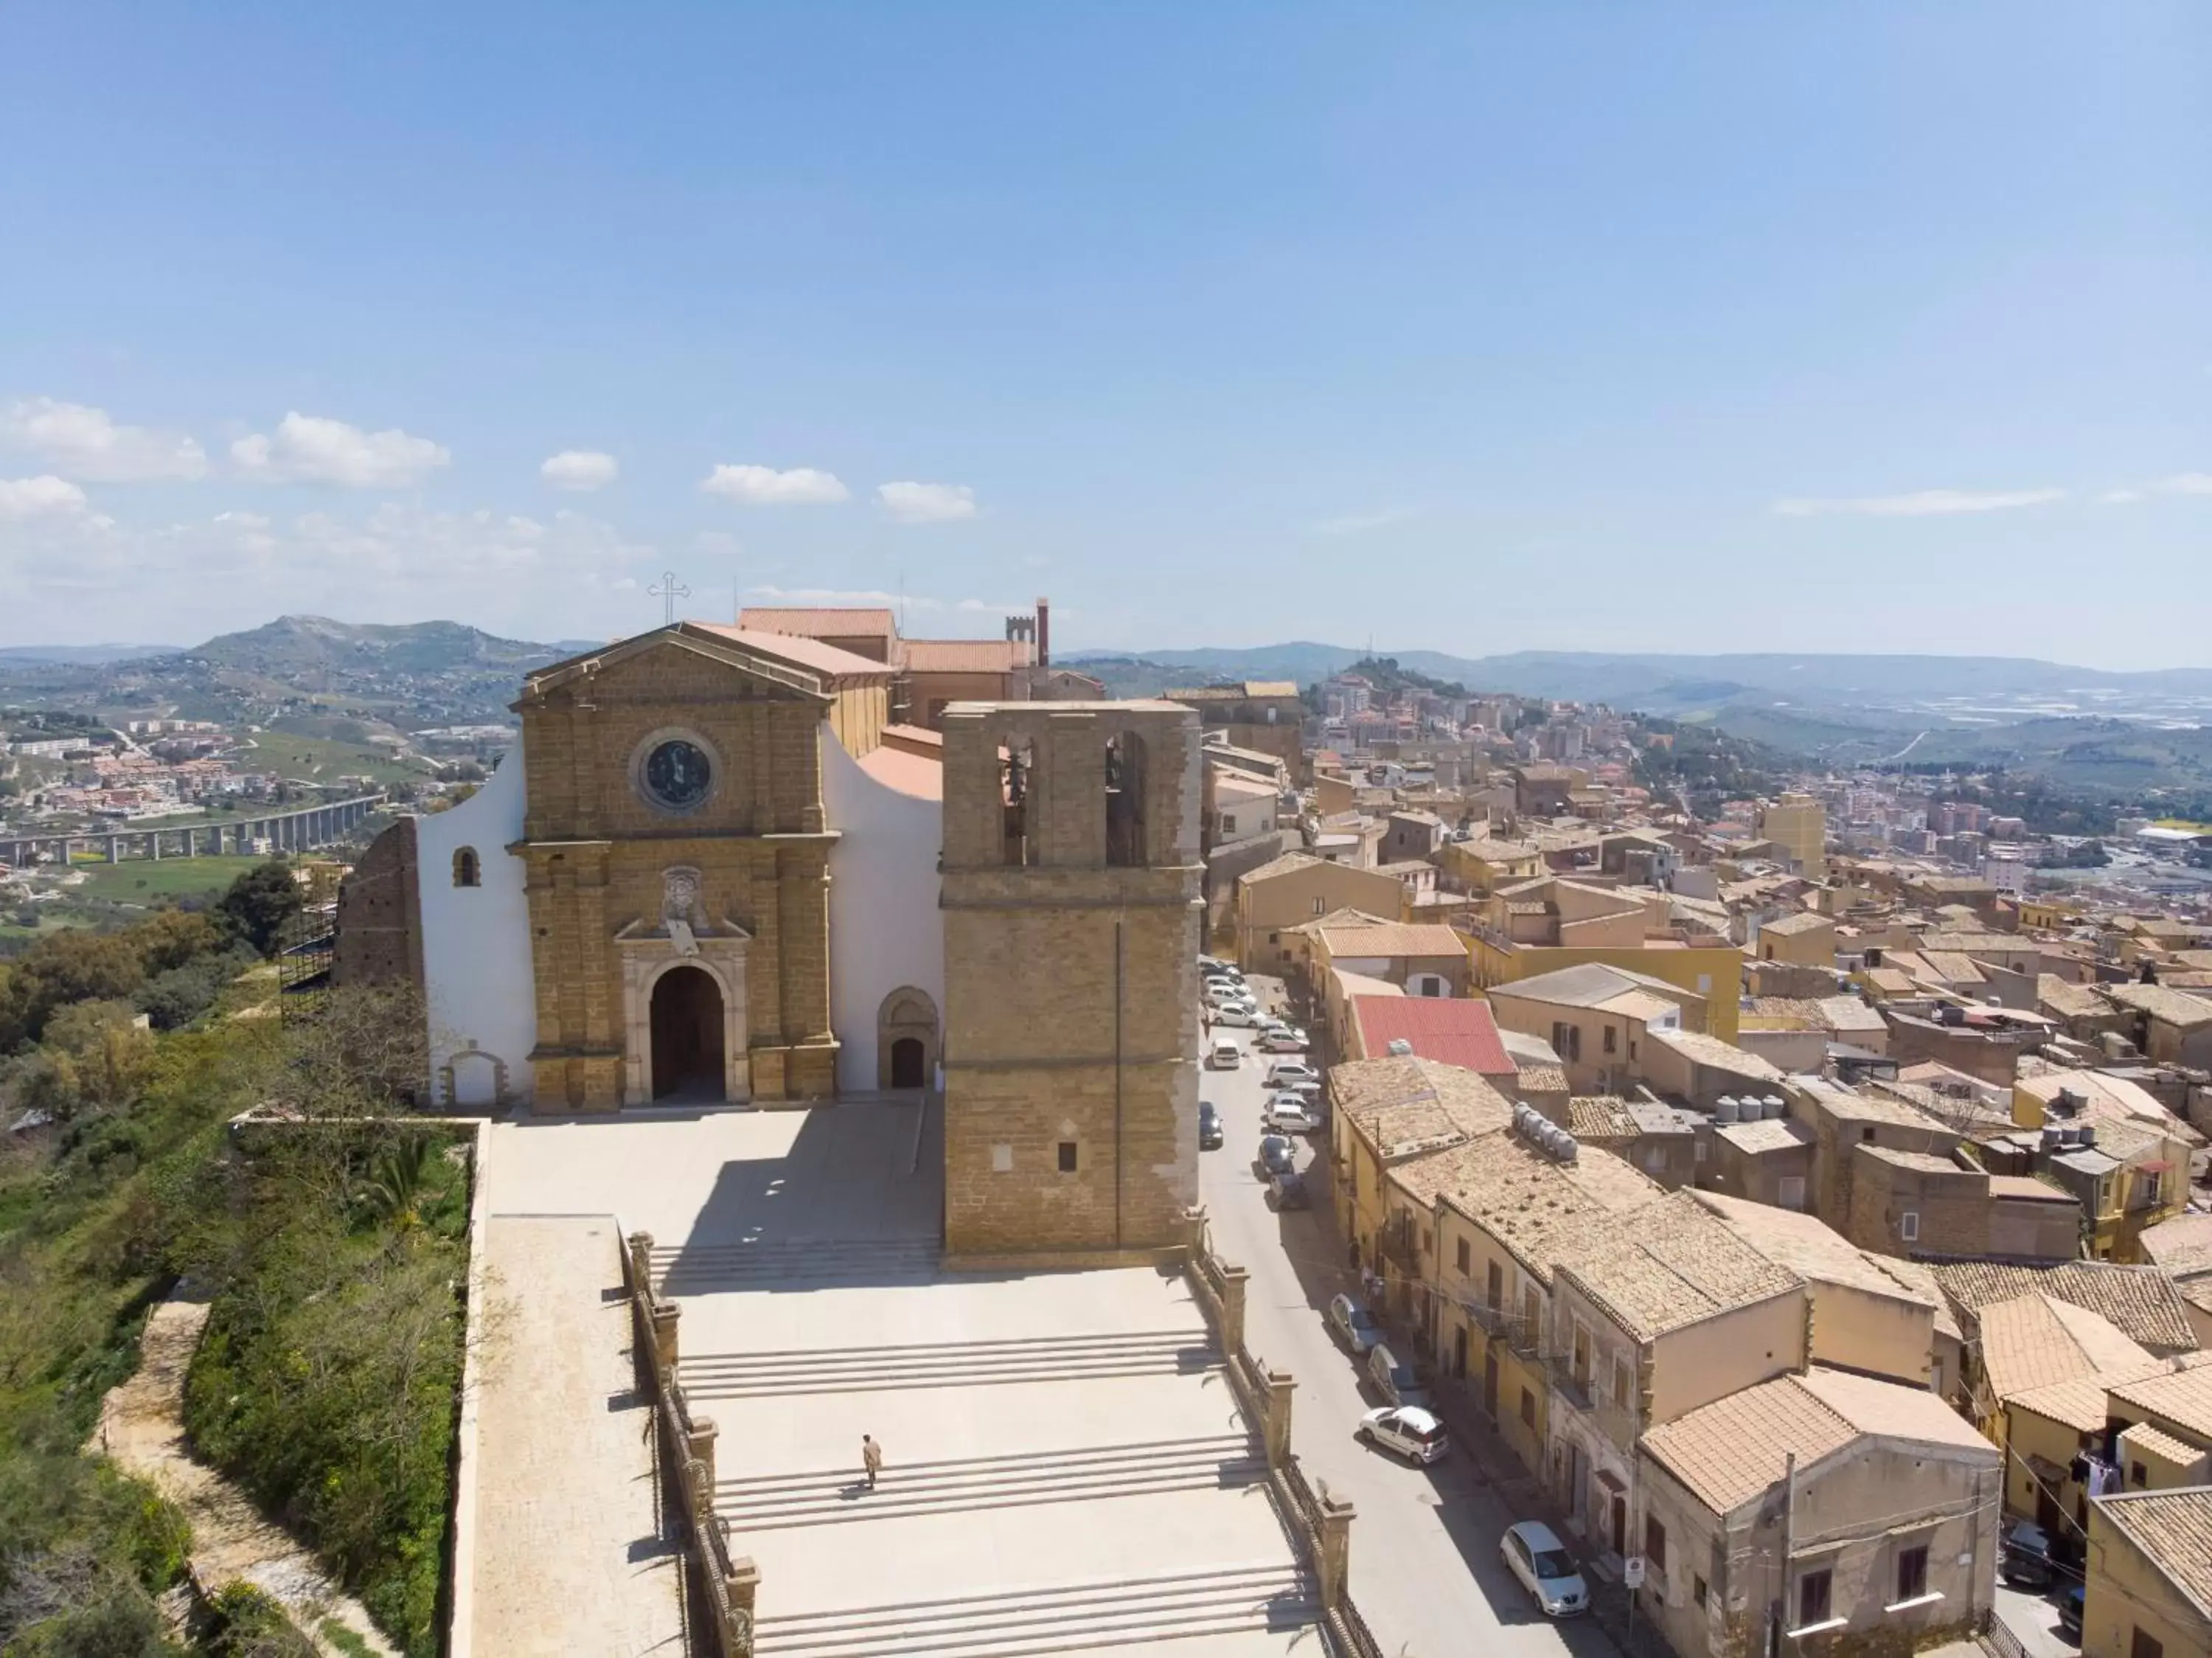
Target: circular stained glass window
676, 774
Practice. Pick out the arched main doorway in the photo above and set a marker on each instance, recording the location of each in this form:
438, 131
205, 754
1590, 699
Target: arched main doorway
909, 1063
687, 1035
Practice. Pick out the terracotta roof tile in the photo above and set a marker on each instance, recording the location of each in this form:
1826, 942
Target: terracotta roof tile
1675, 1265
2173, 1531
2139, 1302
2182, 1397
2033, 1340
1451, 1030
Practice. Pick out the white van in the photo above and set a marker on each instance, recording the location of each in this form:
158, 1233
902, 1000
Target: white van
1225, 1054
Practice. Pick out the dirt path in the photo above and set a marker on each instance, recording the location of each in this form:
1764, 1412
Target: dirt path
142, 1428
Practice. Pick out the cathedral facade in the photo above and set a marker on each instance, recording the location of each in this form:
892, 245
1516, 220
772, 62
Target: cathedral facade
715, 870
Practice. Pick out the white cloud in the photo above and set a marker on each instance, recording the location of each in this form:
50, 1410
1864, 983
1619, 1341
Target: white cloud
2188, 484
43, 496
82, 442
872, 596
581, 469
1921, 503
764, 486
1359, 522
926, 503
2120, 497
312, 449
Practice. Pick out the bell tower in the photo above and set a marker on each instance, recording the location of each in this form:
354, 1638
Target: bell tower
1073, 910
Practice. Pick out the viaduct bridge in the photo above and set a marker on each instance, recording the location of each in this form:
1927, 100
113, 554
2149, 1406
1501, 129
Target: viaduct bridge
294, 831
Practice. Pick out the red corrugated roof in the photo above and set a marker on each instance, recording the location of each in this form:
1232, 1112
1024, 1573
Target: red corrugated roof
1450, 1030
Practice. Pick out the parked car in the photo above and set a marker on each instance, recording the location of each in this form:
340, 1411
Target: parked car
1210, 963
1209, 1126
1225, 1054
1288, 1113
1291, 1073
1287, 1190
2070, 1613
1354, 1324
2024, 1559
1235, 1013
1534, 1553
1275, 1157
1276, 1039
1394, 1380
1418, 1436
1220, 990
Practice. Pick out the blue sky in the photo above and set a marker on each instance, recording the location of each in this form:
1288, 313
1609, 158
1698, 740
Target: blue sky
1470, 327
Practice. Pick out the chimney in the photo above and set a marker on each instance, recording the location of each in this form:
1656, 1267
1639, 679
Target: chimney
1044, 633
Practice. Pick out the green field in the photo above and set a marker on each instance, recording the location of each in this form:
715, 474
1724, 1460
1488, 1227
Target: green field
144, 881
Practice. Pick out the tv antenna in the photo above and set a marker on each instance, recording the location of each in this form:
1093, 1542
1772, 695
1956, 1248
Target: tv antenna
668, 592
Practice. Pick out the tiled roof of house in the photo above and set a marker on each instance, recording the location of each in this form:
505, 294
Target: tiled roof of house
2173, 1007
914, 775
2078, 1402
817, 623
1702, 1049
1809, 1246
801, 651
1587, 985
1539, 1078
1451, 1030
1737, 1447
2161, 1444
1394, 938
1288, 863
2182, 1397
2034, 1340
2173, 1530
2181, 1246
1524, 1198
2139, 1302
961, 656
1401, 1107
1805, 921
1769, 1134
2068, 1000
1675, 1265
1601, 1117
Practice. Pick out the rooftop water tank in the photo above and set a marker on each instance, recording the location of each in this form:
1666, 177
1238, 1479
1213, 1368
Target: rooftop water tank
1401, 1048
2053, 1136
1725, 1109
1567, 1147
1772, 1105
2087, 1134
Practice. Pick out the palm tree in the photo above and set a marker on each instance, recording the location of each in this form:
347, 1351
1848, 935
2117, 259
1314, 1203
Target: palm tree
393, 1192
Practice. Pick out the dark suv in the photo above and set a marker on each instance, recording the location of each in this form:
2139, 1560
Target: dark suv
1209, 1126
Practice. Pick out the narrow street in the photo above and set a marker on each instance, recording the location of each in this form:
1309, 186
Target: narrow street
1426, 1571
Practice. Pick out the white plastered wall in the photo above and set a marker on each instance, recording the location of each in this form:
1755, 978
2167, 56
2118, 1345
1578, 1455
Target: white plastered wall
475, 946
885, 930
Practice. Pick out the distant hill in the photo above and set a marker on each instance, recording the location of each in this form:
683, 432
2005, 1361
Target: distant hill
1637, 680
84, 655
292, 645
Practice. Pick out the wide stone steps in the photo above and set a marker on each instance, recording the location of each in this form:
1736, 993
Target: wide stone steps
1068, 1618
833, 1496
703, 1269
947, 1364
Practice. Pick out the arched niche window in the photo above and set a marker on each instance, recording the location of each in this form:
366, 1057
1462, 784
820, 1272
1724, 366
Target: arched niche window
467, 872
1125, 802
1017, 771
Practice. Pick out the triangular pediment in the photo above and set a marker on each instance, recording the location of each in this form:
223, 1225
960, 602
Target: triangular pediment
643, 657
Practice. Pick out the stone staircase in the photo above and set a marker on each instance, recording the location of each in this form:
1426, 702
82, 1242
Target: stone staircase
830, 1497
1271, 1598
948, 1364
703, 1269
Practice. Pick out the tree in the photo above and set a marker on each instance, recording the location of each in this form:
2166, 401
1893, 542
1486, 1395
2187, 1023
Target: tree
259, 903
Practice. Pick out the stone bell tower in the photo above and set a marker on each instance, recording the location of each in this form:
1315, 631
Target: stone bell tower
1071, 906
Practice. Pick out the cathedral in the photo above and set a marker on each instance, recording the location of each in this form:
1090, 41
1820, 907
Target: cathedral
719, 867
